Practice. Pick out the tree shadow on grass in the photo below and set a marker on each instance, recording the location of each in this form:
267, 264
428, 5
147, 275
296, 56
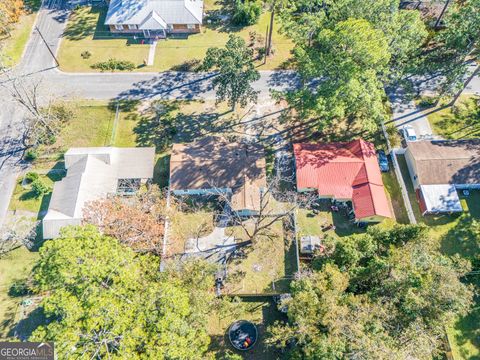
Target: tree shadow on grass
165, 125
28, 324
462, 239
84, 23
468, 331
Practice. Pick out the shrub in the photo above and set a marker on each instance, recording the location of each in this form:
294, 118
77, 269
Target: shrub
114, 64
31, 176
31, 155
193, 65
427, 101
86, 54
246, 12
39, 188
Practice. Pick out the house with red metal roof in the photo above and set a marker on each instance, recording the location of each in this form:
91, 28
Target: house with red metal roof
344, 172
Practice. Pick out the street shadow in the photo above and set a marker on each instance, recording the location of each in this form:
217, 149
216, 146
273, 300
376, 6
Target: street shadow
178, 85
284, 80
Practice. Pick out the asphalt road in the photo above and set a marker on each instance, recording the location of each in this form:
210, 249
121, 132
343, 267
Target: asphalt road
37, 64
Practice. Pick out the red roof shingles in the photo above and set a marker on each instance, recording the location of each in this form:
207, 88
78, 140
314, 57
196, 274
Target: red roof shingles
344, 171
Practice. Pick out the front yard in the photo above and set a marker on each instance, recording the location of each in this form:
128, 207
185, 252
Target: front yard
458, 122
91, 124
85, 33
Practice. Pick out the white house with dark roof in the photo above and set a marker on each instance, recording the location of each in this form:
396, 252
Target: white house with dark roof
155, 18
92, 174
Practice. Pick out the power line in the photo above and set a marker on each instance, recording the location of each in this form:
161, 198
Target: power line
46, 44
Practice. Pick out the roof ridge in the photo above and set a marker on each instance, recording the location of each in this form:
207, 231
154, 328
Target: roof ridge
190, 11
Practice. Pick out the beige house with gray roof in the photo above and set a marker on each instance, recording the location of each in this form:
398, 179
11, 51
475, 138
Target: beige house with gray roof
439, 168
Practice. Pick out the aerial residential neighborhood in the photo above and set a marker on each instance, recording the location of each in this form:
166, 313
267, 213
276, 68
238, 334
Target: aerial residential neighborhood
240, 179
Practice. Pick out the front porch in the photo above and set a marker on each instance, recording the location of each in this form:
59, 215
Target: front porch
154, 34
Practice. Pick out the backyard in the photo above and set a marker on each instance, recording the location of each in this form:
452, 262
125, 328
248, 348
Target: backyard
269, 263
86, 34
261, 311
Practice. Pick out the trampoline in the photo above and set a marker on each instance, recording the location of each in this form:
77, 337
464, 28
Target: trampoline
243, 335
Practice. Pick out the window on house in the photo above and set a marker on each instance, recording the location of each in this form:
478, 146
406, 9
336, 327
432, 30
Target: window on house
170, 27
132, 27
190, 26
119, 27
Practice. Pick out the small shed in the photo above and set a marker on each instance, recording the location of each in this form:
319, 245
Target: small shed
308, 244
436, 199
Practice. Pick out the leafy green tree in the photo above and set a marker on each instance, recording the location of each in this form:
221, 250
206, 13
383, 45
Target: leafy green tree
39, 188
345, 92
348, 60
102, 300
246, 12
236, 72
389, 296
456, 44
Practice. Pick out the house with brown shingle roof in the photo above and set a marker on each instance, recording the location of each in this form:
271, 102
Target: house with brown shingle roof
213, 166
344, 172
438, 168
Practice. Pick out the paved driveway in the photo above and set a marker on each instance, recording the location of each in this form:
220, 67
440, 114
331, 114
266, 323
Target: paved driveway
406, 113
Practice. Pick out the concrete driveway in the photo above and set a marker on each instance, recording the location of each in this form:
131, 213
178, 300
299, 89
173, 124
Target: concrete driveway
406, 113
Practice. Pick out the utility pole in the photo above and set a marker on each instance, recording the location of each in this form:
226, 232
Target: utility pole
437, 23
48, 47
465, 84
270, 34
266, 47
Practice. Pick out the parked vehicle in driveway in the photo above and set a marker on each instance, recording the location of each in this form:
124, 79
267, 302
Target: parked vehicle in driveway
409, 133
383, 161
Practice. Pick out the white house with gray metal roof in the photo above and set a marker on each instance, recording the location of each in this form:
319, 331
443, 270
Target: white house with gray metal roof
155, 18
92, 174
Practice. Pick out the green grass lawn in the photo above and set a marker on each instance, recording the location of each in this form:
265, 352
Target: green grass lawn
268, 267
260, 311
23, 198
14, 45
85, 32
310, 223
15, 266
394, 194
459, 122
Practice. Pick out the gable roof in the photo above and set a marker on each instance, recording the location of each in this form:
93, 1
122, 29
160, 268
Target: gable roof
446, 161
92, 173
343, 171
137, 12
213, 162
